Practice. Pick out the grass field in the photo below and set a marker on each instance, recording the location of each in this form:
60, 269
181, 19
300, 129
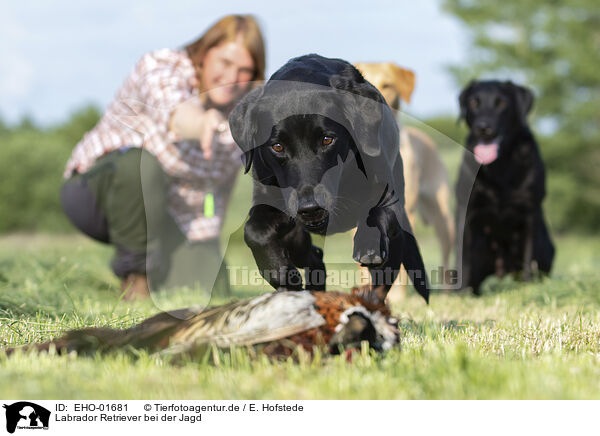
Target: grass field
535, 340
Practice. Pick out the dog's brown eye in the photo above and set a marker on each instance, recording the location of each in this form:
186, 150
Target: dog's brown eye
328, 140
277, 147
499, 103
474, 103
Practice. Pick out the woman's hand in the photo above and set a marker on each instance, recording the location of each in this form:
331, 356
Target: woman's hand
210, 124
190, 121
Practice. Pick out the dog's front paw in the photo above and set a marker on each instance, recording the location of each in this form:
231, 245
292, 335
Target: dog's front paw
287, 280
368, 258
371, 249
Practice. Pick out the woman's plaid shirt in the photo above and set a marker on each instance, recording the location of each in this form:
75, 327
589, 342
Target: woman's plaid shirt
139, 117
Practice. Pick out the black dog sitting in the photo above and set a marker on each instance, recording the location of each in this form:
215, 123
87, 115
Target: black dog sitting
504, 228
323, 146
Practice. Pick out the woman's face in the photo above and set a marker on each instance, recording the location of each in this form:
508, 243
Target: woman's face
227, 70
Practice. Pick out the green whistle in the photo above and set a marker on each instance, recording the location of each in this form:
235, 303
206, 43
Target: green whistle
209, 205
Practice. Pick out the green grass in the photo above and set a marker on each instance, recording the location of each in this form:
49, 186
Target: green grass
534, 340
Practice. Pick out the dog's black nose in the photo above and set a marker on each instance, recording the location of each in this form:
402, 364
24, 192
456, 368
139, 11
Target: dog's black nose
483, 128
308, 211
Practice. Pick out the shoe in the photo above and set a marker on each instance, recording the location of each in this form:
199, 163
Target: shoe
135, 287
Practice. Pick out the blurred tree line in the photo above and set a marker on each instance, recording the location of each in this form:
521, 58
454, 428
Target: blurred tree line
32, 160
552, 46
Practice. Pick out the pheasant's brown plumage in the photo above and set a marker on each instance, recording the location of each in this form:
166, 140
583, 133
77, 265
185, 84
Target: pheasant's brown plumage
274, 323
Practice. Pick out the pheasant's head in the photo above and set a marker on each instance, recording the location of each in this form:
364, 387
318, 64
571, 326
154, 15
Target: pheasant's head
364, 316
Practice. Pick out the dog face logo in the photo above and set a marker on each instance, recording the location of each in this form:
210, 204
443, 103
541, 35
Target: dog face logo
26, 415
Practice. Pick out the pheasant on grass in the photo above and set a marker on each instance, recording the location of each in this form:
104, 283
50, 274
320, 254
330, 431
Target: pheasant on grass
274, 323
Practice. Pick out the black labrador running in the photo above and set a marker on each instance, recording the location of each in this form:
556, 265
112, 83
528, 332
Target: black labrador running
504, 228
323, 148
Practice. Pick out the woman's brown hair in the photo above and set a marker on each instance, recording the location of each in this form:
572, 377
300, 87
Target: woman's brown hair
227, 29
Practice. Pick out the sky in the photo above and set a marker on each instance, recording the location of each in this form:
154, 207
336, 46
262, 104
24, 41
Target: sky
56, 57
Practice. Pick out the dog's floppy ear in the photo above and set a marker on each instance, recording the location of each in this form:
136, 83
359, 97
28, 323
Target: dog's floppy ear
363, 108
405, 82
244, 126
247, 159
524, 100
462, 100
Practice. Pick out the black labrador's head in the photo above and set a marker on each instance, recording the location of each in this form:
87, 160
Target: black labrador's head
297, 131
495, 112
305, 155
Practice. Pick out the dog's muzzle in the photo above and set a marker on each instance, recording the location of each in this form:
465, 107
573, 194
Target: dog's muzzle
312, 215
310, 207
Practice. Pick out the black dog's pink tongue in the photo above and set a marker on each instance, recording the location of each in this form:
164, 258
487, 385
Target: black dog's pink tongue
486, 153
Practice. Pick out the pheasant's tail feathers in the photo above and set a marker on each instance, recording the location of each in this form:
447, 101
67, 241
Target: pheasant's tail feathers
151, 334
86, 341
155, 332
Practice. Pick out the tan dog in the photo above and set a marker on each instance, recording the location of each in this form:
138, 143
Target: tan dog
427, 188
